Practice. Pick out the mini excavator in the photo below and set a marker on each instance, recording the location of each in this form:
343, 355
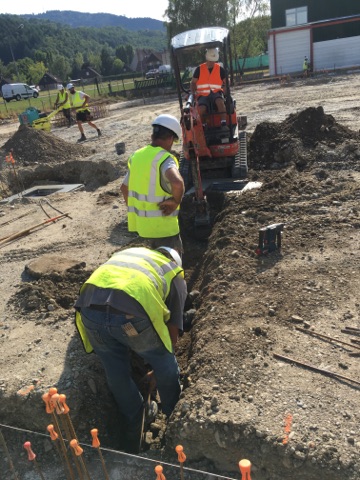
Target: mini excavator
211, 153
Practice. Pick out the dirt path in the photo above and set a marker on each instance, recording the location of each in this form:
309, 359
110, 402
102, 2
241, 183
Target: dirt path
237, 396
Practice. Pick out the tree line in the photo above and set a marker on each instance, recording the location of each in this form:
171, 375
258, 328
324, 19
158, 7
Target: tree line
29, 46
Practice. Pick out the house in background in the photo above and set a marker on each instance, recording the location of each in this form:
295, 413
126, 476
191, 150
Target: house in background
327, 32
49, 82
145, 60
89, 74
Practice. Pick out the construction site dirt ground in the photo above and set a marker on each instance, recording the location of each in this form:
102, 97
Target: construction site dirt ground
239, 398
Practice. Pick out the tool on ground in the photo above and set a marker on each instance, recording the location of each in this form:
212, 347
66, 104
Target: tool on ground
270, 238
50, 409
181, 458
27, 231
159, 475
7, 453
326, 337
32, 458
55, 438
315, 369
96, 444
74, 444
245, 469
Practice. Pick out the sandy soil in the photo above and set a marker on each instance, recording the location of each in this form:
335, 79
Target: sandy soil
239, 400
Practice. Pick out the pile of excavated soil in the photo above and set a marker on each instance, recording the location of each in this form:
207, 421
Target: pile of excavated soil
30, 146
300, 139
42, 157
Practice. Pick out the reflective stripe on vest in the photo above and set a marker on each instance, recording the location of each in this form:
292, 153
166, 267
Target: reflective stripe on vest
209, 82
62, 97
144, 275
145, 193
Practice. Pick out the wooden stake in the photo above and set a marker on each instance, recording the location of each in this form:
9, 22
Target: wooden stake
315, 369
310, 332
28, 230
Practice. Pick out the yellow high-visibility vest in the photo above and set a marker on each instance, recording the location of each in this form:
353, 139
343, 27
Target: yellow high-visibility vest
62, 97
145, 192
76, 101
144, 275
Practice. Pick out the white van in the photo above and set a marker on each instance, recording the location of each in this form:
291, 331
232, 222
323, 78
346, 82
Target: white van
18, 91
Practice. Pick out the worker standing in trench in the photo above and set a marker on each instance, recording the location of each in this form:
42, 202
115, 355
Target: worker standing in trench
135, 301
153, 187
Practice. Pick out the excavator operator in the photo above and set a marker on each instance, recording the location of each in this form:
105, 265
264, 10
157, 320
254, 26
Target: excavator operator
208, 84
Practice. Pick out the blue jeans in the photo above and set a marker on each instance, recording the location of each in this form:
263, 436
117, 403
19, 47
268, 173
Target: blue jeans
112, 344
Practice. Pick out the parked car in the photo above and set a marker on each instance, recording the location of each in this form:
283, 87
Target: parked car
154, 73
165, 70
18, 91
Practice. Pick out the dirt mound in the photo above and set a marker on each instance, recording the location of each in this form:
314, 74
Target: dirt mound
302, 139
30, 146
55, 291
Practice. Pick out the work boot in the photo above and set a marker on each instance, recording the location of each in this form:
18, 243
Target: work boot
134, 433
99, 132
82, 138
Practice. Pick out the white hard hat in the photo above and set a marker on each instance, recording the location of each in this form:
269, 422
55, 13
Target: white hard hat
69, 86
170, 122
212, 54
60, 87
173, 253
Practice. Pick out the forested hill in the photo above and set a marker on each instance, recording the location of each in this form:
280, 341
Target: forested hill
78, 19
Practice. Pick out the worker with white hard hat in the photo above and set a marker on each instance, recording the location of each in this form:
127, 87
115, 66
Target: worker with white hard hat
80, 103
208, 85
135, 301
62, 101
153, 187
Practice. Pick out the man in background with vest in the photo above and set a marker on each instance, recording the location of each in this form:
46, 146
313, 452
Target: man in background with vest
153, 187
306, 67
79, 101
208, 84
62, 100
135, 301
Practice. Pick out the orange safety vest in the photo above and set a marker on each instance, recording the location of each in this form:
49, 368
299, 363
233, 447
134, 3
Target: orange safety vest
209, 82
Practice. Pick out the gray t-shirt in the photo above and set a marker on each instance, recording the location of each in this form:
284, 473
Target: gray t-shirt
165, 184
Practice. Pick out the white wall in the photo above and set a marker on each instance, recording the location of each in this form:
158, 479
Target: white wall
291, 48
343, 52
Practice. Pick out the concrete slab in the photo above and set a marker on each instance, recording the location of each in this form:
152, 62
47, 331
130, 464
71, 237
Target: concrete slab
43, 191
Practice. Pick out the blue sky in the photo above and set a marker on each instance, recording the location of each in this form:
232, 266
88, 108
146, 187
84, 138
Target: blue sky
129, 8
